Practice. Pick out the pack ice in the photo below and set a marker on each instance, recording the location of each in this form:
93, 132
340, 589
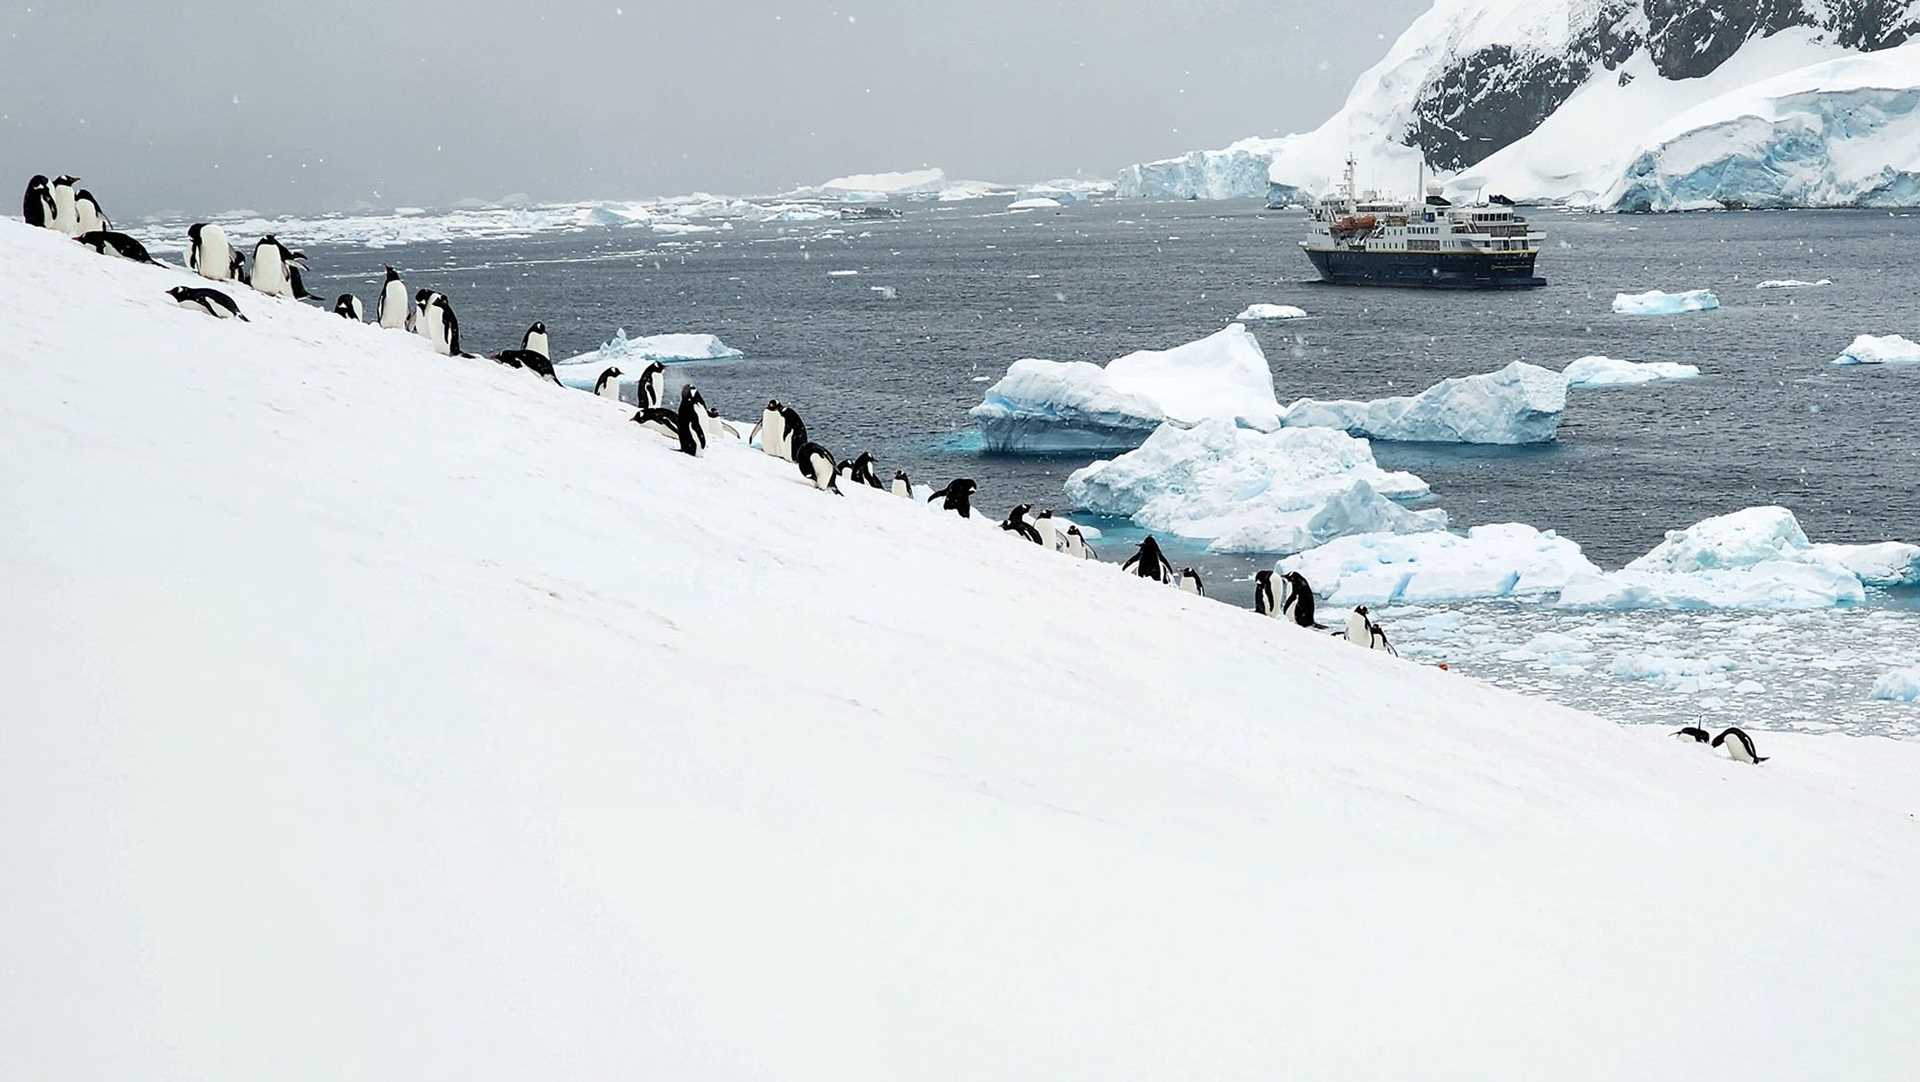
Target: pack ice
1521, 403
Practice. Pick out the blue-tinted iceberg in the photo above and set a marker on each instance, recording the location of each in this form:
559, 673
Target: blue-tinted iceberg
1608, 372
1250, 491
1521, 403
1502, 560
1747, 538
1656, 303
1880, 349
1053, 406
1899, 686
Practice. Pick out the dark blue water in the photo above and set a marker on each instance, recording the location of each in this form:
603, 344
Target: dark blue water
975, 289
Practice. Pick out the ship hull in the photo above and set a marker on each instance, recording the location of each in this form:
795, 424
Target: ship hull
1427, 270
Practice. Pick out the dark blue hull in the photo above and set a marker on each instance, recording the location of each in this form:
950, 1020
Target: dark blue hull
1428, 270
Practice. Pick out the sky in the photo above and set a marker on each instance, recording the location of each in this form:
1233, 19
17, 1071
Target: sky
200, 106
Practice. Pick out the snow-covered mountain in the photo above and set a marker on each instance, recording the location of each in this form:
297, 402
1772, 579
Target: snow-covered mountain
1619, 104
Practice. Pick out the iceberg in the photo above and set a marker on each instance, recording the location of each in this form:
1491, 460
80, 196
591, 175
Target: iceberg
1250, 491
1519, 404
1238, 172
1792, 283
1898, 686
1502, 560
1656, 303
1271, 311
582, 371
1771, 584
1608, 372
1880, 349
1053, 406
1747, 538
1035, 203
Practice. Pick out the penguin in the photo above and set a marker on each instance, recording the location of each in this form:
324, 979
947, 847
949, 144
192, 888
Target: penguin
711, 423
662, 422
208, 252
863, 471
771, 429
211, 301
816, 465
535, 340
794, 431
123, 246
272, 263
1048, 530
348, 305
66, 216
1074, 544
1263, 594
1694, 733
392, 311
92, 218
608, 385
1298, 603
1359, 629
653, 385
902, 484
1017, 523
36, 208
1149, 562
298, 283
844, 469
236, 265
446, 341
1190, 582
1377, 638
693, 439
425, 315
536, 363
1739, 745
957, 496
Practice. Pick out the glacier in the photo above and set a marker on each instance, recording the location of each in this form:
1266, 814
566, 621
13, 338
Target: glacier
1044, 406
1519, 404
1656, 302
1880, 349
1598, 371
1250, 491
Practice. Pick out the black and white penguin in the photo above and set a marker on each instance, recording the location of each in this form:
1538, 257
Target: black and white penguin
236, 265
1149, 562
1263, 594
1298, 603
208, 253
297, 283
36, 208
1190, 582
794, 431
536, 363
693, 438
87, 208
957, 496
66, 212
653, 385
1049, 530
902, 484
425, 316
1017, 523
446, 340
608, 385
770, 430
863, 471
535, 340
123, 246
1739, 745
348, 305
1362, 631
1074, 544
657, 420
712, 425
272, 267
1694, 733
211, 301
816, 465
392, 310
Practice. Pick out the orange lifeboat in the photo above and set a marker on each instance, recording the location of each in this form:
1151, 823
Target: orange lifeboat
1350, 224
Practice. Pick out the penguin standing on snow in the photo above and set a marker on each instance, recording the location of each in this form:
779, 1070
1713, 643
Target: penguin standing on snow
863, 471
272, 267
236, 265
1694, 733
66, 212
37, 208
816, 465
771, 430
446, 341
1298, 603
1074, 544
208, 253
608, 385
348, 306
652, 389
794, 431
902, 484
297, 283
393, 311
211, 301
1362, 631
535, 340
123, 246
1190, 582
424, 315
957, 496
1149, 562
693, 439
1263, 594
1017, 523
1739, 745
1049, 530
87, 209
711, 423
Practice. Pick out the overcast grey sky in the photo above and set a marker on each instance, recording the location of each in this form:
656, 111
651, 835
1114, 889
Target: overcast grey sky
321, 104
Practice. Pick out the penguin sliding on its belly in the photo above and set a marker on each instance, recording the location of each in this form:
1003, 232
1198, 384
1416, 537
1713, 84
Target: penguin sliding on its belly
123, 246
211, 301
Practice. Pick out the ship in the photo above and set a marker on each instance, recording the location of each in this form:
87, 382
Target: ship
1373, 240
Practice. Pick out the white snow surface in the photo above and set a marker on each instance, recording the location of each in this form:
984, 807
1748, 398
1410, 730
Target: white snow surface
1656, 302
1250, 491
1521, 403
1588, 372
1270, 311
1042, 405
1899, 685
1880, 349
356, 731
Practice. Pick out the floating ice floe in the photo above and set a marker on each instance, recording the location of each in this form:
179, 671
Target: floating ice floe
1521, 403
634, 354
1250, 491
1035, 203
1048, 406
1271, 311
1656, 303
1880, 349
1899, 686
1792, 283
1607, 372
1772, 584
1746, 538
1503, 560
1673, 672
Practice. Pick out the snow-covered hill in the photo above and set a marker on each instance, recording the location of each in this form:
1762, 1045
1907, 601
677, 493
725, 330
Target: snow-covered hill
1618, 104
370, 714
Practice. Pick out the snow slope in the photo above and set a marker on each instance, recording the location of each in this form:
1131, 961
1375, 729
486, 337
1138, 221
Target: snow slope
377, 715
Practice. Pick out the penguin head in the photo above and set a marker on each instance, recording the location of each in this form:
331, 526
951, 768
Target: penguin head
65, 179
537, 328
900, 475
1361, 609
39, 181
392, 275
1263, 577
965, 486
177, 292
193, 231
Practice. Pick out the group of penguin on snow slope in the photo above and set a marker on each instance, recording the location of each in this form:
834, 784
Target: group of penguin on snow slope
61, 205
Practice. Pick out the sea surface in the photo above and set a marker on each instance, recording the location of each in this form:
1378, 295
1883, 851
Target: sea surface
938, 303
